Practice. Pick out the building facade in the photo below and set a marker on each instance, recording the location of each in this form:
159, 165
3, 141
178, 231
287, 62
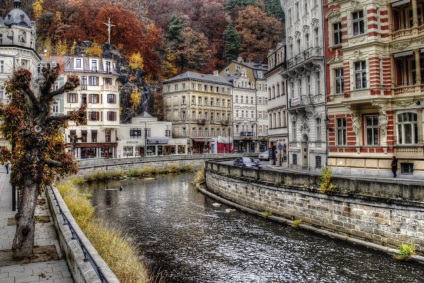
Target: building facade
99, 92
17, 50
249, 104
200, 109
146, 136
375, 74
277, 105
304, 74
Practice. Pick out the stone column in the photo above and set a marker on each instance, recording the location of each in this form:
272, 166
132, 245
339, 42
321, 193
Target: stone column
420, 125
414, 14
418, 69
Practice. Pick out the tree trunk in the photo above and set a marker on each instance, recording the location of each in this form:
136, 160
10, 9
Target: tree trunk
23, 243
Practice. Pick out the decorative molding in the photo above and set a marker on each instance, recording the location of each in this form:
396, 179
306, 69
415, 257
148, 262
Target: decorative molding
297, 34
305, 29
401, 45
404, 103
315, 23
334, 16
382, 118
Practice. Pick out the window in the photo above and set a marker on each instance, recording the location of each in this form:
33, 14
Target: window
318, 82
1, 93
372, 130
108, 135
308, 85
183, 100
94, 65
337, 33
175, 87
199, 99
241, 99
94, 81
1, 39
318, 161
251, 100
297, 11
135, 132
294, 157
300, 86
93, 116
72, 98
316, 34
111, 116
260, 114
55, 105
93, 135
407, 126
1, 66
211, 101
149, 132
307, 41
193, 114
290, 17
168, 133
358, 22
360, 75
318, 129
84, 99
108, 67
84, 135
94, 98
184, 86
183, 115
339, 80
78, 63
341, 131
193, 100
111, 98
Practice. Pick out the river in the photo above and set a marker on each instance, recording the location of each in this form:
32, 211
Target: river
185, 237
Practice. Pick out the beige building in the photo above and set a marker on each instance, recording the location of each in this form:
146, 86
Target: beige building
99, 92
200, 109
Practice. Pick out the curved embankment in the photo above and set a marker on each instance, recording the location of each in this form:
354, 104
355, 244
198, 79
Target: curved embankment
378, 222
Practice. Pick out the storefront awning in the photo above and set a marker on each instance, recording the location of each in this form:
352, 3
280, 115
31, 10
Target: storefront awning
403, 54
399, 3
202, 139
157, 140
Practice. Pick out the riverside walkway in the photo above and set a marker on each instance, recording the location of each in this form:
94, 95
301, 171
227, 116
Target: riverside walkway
53, 270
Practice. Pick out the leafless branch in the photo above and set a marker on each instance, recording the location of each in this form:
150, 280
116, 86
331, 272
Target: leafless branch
58, 118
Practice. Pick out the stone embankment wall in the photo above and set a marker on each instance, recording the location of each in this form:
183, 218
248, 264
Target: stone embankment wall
88, 166
382, 213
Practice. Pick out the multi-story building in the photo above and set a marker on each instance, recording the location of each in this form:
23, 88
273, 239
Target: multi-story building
146, 131
249, 104
375, 71
99, 92
17, 49
304, 74
277, 104
200, 109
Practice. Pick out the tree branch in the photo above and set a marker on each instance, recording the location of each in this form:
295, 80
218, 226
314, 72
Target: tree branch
53, 163
58, 118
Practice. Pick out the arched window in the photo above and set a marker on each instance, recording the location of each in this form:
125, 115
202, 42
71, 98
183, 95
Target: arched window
407, 128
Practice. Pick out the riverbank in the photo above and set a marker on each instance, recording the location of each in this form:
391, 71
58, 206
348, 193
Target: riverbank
376, 218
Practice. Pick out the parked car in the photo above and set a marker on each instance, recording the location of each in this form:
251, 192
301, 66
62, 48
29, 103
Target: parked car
246, 162
264, 155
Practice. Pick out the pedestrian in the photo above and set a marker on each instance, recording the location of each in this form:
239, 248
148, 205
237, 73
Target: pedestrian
394, 166
6, 165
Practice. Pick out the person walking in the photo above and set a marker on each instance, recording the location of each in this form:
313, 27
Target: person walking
6, 165
394, 166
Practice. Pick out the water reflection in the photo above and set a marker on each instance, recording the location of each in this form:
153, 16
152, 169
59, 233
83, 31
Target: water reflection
183, 236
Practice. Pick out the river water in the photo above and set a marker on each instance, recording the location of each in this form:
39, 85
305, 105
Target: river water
185, 237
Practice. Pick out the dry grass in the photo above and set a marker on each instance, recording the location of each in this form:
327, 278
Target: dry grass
200, 177
110, 242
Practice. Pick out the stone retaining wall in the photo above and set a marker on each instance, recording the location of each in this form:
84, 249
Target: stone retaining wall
381, 220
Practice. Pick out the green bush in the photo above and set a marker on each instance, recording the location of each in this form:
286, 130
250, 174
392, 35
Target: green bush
326, 176
296, 223
405, 251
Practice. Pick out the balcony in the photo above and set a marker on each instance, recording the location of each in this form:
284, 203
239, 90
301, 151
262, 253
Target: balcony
247, 134
224, 122
201, 121
110, 87
304, 57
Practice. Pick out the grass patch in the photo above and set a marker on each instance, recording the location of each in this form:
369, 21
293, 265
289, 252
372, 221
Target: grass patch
296, 223
110, 242
326, 176
266, 214
200, 177
405, 251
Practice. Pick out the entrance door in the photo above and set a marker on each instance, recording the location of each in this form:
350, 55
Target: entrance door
305, 152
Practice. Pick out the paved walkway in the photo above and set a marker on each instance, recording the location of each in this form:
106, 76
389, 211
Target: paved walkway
45, 235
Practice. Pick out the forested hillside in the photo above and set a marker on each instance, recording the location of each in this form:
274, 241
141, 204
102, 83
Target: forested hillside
171, 36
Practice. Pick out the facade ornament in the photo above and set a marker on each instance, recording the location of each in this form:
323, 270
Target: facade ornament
401, 45
404, 103
290, 39
315, 23
294, 118
334, 16
304, 128
356, 122
382, 119
297, 34
305, 29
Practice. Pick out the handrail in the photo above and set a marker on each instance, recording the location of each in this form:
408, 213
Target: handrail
87, 255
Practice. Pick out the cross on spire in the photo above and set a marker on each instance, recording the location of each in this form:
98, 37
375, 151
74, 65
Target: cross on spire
109, 25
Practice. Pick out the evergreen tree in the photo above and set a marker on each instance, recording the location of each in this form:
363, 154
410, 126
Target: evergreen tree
232, 43
273, 9
175, 27
231, 5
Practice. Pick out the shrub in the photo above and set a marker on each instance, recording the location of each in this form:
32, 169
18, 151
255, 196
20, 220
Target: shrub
326, 176
172, 168
267, 214
405, 252
78, 181
296, 223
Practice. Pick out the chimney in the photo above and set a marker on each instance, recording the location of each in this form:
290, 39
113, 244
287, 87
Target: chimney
215, 73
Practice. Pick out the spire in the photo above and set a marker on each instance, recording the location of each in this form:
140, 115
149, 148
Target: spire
17, 4
109, 25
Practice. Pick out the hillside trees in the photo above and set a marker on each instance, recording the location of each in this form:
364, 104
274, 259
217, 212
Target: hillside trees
38, 145
232, 42
258, 31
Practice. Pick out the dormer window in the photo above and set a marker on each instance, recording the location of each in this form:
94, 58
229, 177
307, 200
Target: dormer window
78, 63
260, 75
108, 67
94, 65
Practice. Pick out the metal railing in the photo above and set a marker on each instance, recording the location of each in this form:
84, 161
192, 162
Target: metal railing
87, 255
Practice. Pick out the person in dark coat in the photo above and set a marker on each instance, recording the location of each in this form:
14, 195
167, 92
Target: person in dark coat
394, 166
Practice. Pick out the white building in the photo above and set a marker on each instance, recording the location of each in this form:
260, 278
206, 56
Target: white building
304, 72
277, 104
249, 104
147, 130
99, 92
17, 49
